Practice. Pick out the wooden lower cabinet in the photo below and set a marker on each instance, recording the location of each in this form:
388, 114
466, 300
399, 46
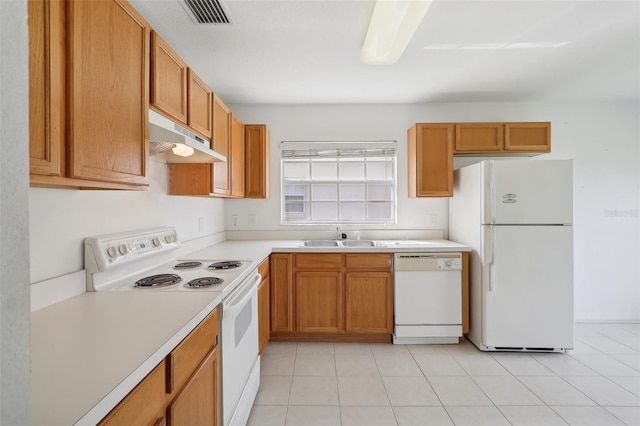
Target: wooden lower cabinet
196, 402
184, 389
332, 296
281, 293
319, 302
264, 308
368, 302
145, 405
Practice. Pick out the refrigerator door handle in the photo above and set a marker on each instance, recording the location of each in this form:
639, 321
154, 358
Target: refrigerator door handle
491, 256
492, 195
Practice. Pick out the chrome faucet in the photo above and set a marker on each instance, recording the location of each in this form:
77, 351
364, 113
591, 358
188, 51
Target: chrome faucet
339, 234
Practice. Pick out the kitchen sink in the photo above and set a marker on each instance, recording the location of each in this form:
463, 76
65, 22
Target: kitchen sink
358, 243
321, 243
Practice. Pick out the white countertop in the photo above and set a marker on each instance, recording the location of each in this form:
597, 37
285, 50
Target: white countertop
259, 250
88, 352
91, 350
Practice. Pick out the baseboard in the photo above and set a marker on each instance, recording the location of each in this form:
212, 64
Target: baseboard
608, 317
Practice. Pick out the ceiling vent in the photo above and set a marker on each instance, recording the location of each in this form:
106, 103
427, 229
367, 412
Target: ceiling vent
207, 11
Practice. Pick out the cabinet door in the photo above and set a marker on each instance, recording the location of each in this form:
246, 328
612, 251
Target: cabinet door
221, 179
168, 81
184, 359
264, 326
46, 87
430, 154
256, 161
281, 293
108, 94
197, 402
479, 137
527, 137
199, 113
369, 302
319, 304
144, 405
189, 179
237, 157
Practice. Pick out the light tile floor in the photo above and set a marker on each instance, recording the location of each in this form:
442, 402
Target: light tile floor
597, 383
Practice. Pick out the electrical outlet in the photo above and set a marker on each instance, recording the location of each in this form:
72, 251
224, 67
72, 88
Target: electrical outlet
234, 220
200, 224
253, 220
433, 219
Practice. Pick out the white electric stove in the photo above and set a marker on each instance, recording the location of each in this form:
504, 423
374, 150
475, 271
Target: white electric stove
146, 261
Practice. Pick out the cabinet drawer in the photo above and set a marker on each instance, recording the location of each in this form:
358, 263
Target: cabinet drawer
369, 261
316, 260
263, 269
184, 359
144, 404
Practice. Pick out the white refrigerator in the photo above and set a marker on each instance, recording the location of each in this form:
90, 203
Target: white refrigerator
517, 216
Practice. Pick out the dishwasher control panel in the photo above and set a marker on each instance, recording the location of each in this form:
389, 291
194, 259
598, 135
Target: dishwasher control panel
428, 261
449, 264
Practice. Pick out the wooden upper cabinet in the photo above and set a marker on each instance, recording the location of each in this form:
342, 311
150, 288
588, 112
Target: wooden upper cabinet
256, 161
199, 110
496, 138
169, 78
430, 160
479, 137
221, 176
89, 94
46, 87
236, 161
527, 137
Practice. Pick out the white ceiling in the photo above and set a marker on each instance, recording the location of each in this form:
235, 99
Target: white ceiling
308, 51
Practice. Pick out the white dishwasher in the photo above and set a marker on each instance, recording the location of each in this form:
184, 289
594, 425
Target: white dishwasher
427, 298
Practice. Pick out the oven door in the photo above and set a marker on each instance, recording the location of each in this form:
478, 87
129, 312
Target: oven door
240, 363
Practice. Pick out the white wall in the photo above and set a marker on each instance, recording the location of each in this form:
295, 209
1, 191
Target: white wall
15, 360
602, 139
326, 123
61, 218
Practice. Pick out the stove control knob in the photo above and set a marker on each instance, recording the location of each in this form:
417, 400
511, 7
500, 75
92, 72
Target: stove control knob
167, 238
156, 242
112, 251
123, 249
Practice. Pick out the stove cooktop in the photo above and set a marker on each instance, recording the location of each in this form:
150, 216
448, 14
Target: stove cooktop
180, 276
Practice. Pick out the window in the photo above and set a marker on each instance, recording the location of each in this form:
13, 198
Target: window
332, 182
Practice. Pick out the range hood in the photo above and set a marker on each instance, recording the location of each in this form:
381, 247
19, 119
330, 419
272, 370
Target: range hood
174, 144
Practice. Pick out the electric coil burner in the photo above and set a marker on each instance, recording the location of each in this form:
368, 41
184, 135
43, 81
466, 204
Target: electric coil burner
160, 280
204, 282
187, 265
229, 264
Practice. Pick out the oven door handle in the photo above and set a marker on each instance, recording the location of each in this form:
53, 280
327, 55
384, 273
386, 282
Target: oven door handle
238, 299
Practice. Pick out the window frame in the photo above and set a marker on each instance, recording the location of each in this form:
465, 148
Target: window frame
305, 196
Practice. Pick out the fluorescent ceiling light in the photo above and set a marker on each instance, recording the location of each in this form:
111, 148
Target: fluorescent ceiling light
392, 25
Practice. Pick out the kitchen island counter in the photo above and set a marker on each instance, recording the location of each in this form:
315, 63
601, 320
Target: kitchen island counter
88, 352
